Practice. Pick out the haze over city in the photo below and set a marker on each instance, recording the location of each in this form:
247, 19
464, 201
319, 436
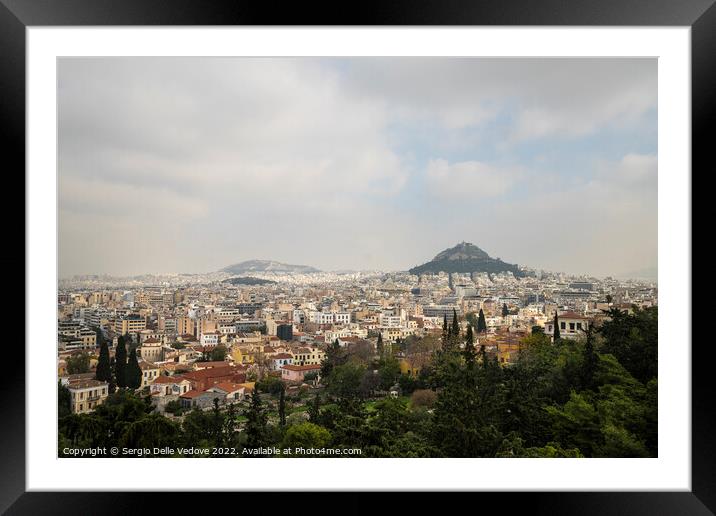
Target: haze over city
192, 164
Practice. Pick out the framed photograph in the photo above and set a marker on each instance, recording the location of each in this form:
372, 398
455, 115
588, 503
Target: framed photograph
423, 252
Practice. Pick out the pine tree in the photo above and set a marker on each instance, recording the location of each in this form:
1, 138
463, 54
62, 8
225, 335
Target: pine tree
120, 362
481, 323
133, 372
104, 371
469, 347
282, 406
556, 328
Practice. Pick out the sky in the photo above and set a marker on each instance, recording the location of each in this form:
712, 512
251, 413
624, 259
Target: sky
192, 164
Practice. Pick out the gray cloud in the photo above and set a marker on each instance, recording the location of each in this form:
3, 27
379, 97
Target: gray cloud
187, 165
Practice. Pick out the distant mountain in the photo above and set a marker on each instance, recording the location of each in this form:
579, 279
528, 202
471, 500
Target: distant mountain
464, 258
267, 266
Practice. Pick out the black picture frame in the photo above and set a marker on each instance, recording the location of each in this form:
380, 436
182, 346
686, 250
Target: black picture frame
700, 15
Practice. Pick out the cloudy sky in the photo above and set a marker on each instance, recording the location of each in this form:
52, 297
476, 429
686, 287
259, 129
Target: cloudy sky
191, 164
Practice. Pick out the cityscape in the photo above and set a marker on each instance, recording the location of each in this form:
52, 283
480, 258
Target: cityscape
301, 343
357, 257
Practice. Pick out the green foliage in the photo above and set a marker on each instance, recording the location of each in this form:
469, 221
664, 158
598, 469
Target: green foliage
481, 322
120, 362
556, 335
256, 429
344, 382
218, 354
282, 407
78, 363
173, 407
583, 397
632, 339
469, 352
133, 373
270, 384
306, 435
103, 372
388, 372
64, 401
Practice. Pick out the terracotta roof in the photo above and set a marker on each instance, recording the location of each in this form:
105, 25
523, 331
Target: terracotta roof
84, 384
571, 315
169, 379
282, 355
210, 373
191, 394
228, 386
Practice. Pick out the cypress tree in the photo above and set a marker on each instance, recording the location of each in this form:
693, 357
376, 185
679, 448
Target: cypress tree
120, 363
555, 335
446, 330
282, 406
379, 344
505, 311
103, 372
481, 323
589, 364
133, 372
256, 420
314, 410
455, 325
469, 347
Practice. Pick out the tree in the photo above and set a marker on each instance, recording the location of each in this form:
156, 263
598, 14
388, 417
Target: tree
632, 339
314, 409
120, 362
104, 370
423, 398
481, 322
218, 354
379, 344
64, 401
590, 360
537, 330
344, 381
388, 372
469, 352
335, 355
133, 373
505, 311
306, 435
282, 407
555, 335
78, 363
446, 329
455, 325
256, 421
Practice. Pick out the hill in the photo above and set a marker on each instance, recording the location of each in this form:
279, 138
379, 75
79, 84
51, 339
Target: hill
465, 258
267, 266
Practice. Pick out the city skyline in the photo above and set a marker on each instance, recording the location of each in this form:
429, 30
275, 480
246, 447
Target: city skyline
189, 165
